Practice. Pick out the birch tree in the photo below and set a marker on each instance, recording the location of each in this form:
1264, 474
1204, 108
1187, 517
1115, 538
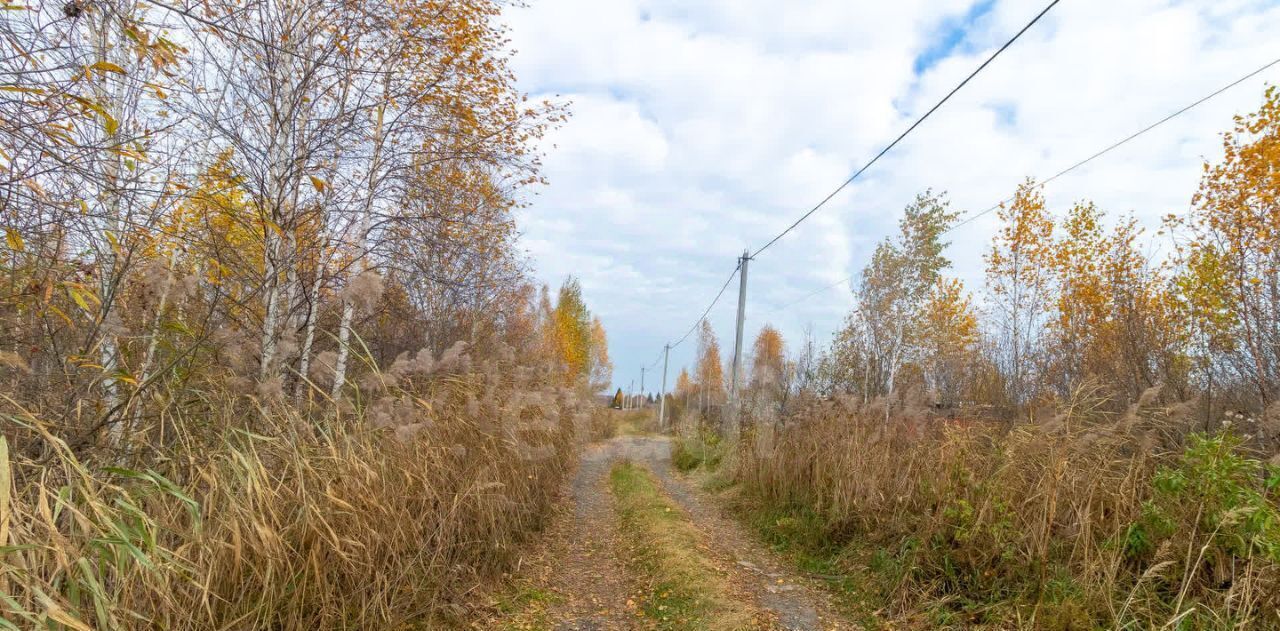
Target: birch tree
895, 287
1018, 287
1231, 256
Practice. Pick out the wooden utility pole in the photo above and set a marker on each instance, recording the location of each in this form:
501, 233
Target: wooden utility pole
737, 340
662, 400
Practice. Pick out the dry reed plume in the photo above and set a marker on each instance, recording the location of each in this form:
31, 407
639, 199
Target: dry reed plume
1092, 519
382, 517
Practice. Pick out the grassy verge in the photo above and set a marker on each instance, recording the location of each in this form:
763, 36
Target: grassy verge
703, 451
636, 422
685, 590
868, 576
1035, 528
860, 584
794, 532
524, 607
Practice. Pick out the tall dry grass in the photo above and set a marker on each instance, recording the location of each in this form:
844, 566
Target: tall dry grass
1092, 519
384, 513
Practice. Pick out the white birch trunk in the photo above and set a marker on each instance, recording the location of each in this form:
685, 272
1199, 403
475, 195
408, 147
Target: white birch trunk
271, 322
144, 372
281, 159
895, 359
344, 340
112, 101
304, 361
348, 308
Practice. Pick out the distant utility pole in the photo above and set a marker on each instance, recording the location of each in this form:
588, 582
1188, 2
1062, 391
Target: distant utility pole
737, 340
642, 399
662, 396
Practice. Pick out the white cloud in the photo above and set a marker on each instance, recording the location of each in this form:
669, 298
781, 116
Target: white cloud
608, 136
701, 129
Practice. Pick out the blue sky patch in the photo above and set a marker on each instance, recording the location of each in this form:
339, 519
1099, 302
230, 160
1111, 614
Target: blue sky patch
950, 36
1006, 114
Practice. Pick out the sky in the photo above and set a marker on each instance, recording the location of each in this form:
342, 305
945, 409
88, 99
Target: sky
703, 128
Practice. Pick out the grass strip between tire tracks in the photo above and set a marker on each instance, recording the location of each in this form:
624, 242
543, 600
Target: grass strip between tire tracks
685, 590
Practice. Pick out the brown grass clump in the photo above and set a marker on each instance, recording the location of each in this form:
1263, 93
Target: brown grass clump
256, 517
1091, 519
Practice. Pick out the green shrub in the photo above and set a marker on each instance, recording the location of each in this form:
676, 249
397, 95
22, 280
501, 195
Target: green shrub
705, 451
1216, 492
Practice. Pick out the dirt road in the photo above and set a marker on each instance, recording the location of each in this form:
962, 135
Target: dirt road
580, 578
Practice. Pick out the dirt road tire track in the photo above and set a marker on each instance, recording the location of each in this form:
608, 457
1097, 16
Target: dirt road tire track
594, 590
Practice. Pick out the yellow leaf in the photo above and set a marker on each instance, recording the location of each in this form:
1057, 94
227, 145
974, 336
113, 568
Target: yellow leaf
5, 481
58, 312
318, 183
81, 295
61, 615
106, 66
14, 239
78, 298
274, 227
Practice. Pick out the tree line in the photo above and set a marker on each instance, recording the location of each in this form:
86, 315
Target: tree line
269, 196
1073, 298
271, 355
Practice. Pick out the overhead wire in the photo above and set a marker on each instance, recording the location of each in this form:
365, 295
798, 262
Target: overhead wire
1128, 138
873, 160
656, 359
868, 165
1073, 167
910, 129
706, 311
973, 217
709, 307
812, 294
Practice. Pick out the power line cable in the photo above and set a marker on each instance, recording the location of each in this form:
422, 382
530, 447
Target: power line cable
909, 129
692, 328
812, 294
859, 172
1127, 139
1077, 165
656, 360
708, 309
